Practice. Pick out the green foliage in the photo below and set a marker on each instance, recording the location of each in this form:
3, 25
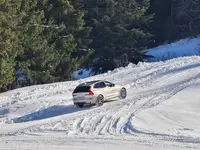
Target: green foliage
38, 58
9, 42
162, 26
120, 27
45, 39
52, 35
72, 36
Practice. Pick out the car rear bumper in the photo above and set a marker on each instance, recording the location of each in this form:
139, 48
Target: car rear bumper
84, 101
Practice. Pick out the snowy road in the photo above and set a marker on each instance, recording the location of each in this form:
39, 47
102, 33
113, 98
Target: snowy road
162, 111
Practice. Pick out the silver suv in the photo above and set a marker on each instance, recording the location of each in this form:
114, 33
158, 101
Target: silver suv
96, 92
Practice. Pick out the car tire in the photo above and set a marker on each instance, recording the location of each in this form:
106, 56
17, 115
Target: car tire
79, 105
123, 93
99, 101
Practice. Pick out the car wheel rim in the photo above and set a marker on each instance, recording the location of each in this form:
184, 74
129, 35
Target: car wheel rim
100, 101
123, 93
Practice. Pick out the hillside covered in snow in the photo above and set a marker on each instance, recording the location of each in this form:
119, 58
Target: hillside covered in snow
161, 112
184, 47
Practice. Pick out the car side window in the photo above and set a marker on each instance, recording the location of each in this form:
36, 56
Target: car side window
108, 84
100, 85
96, 85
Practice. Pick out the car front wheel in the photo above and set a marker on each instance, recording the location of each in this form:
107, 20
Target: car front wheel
123, 93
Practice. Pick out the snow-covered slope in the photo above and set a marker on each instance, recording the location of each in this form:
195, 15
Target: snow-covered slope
184, 47
161, 112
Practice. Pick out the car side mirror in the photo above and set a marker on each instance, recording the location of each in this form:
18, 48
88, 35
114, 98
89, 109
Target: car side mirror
113, 85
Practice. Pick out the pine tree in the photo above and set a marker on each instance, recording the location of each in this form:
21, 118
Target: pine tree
186, 20
72, 38
161, 27
120, 32
9, 41
38, 59
53, 32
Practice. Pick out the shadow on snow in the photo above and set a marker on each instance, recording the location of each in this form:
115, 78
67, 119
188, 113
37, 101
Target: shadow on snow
48, 113
3, 112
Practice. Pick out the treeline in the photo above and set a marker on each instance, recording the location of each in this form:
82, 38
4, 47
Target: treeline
41, 38
174, 20
47, 40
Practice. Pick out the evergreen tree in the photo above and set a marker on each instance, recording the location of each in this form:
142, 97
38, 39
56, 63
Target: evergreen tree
174, 20
120, 32
39, 58
9, 42
161, 27
71, 45
52, 35
186, 20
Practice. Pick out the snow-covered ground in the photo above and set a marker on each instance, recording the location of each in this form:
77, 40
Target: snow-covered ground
161, 112
184, 47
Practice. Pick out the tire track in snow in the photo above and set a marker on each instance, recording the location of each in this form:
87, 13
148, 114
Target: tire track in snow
156, 100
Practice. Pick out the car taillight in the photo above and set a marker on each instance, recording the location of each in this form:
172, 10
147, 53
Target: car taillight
90, 92
73, 94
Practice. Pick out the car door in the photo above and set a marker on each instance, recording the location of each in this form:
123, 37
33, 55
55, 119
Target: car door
110, 90
100, 88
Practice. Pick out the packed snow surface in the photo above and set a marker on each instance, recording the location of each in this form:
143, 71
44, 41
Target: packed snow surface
161, 112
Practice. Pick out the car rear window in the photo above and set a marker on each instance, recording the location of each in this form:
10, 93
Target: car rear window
82, 89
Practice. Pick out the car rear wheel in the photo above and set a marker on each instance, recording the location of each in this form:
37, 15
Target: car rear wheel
123, 93
79, 105
100, 100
